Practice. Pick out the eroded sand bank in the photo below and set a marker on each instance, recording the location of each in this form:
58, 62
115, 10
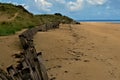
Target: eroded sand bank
9, 45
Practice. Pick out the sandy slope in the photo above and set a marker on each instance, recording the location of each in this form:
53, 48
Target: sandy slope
9, 45
89, 51
7, 18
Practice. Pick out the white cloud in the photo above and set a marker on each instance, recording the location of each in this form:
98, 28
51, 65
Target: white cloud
79, 4
26, 6
43, 4
97, 2
15, 3
61, 1
74, 6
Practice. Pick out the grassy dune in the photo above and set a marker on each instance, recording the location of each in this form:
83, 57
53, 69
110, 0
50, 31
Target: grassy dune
14, 18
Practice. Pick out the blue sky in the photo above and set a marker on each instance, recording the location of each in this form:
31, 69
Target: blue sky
76, 9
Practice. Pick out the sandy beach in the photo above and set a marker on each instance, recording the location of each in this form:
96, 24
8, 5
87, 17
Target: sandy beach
89, 51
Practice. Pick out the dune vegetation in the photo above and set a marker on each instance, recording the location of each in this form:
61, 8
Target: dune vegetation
15, 17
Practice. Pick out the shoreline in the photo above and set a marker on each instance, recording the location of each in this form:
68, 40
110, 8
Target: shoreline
102, 22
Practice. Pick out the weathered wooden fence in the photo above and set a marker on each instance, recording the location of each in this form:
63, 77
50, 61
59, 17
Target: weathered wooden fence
30, 66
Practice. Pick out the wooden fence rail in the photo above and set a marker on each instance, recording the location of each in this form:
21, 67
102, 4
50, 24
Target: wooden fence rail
30, 66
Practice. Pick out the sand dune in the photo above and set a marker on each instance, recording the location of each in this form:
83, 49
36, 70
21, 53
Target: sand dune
89, 51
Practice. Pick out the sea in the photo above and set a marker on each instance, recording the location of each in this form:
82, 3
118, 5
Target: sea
108, 21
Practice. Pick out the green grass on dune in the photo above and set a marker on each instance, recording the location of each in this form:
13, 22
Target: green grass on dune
8, 28
24, 19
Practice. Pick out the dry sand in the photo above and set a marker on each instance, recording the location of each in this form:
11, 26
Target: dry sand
89, 51
9, 45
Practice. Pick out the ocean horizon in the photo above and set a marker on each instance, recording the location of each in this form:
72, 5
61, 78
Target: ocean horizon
109, 21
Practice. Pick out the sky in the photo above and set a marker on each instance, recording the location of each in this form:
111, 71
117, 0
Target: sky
76, 9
